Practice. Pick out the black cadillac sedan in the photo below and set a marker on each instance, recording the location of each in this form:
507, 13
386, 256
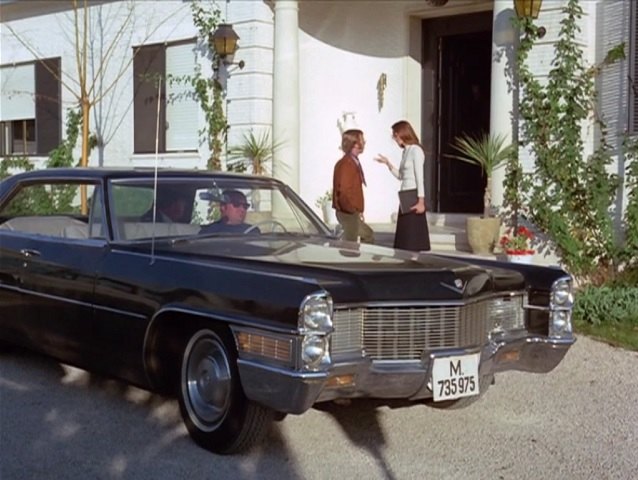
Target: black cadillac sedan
229, 292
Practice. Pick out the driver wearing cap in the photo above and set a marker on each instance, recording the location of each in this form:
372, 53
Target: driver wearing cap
233, 208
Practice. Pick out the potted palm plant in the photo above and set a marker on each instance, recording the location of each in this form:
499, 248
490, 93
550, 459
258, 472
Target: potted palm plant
253, 155
488, 152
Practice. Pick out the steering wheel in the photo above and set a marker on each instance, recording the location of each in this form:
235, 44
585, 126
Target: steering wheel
274, 224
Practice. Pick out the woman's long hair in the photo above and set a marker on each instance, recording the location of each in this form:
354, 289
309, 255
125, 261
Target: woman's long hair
404, 132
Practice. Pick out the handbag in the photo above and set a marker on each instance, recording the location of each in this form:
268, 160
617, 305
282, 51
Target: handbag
407, 199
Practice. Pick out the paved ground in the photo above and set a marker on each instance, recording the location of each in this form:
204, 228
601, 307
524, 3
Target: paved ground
578, 422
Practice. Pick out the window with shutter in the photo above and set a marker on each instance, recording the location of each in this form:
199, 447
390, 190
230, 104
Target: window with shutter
177, 106
30, 108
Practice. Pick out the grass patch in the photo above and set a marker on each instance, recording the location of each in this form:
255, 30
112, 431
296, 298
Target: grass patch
623, 334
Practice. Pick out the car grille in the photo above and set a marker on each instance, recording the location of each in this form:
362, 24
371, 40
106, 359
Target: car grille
405, 332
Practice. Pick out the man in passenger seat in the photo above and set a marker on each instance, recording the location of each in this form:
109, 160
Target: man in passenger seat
171, 207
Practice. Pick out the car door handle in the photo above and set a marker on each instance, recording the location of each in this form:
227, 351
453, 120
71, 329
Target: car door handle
28, 252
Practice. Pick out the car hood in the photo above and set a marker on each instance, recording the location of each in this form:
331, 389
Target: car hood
382, 273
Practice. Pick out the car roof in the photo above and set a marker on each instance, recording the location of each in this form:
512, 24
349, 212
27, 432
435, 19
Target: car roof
101, 173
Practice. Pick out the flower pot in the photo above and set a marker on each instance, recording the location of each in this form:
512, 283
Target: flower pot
525, 258
329, 214
482, 233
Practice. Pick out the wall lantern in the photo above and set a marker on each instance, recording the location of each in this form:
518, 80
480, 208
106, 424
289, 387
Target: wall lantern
224, 42
530, 9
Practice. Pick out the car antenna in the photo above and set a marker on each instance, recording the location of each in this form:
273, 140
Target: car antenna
159, 92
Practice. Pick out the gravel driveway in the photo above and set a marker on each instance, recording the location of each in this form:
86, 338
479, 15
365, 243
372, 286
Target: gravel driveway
578, 422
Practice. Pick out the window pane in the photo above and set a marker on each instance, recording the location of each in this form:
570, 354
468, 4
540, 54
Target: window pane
52, 209
23, 137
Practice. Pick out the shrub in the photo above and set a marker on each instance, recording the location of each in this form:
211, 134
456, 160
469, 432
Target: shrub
607, 303
628, 277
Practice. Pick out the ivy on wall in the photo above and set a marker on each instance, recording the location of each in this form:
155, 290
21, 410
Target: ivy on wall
208, 92
569, 195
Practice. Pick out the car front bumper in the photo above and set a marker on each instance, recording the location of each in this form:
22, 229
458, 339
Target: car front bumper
295, 392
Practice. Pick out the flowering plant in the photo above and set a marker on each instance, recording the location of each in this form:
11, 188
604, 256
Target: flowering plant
324, 199
517, 243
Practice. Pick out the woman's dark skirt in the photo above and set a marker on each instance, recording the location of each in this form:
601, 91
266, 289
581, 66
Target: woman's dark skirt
412, 232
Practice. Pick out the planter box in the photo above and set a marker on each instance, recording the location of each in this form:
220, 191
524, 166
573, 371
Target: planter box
520, 258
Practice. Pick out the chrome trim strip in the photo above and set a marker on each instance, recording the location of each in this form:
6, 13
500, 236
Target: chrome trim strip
80, 303
426, 303
296, 374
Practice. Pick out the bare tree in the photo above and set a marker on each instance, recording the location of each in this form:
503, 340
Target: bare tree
97, 43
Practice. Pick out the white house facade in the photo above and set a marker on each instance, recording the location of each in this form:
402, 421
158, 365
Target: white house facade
311, 69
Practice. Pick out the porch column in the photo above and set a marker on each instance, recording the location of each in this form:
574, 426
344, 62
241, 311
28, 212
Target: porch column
504, 39
285, 115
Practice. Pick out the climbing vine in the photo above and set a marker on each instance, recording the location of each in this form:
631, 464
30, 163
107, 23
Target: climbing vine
208, 92
571, 196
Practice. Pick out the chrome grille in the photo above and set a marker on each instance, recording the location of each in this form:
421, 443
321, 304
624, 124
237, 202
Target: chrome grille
404, 332
348, 336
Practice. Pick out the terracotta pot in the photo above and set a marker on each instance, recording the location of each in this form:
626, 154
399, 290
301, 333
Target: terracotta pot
482, 233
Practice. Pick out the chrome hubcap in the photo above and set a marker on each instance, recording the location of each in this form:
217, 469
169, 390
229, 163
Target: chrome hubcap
208, 381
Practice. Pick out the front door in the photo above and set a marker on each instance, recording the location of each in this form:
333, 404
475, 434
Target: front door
457, 69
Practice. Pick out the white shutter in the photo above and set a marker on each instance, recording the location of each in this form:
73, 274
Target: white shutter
17, 97
181, 107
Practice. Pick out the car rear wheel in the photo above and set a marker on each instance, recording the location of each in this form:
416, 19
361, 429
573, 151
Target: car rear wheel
484, 384
214, 408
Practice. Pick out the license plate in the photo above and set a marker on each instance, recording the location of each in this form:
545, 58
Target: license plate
455, 377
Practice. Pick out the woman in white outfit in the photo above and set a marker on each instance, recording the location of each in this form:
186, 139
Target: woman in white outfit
412, 226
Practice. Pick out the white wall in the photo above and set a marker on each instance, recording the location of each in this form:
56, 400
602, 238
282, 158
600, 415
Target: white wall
249, 90
344, 48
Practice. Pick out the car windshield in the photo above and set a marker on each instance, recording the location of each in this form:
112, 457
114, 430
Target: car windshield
208, 206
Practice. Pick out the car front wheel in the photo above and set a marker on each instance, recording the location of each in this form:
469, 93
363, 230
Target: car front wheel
216, 412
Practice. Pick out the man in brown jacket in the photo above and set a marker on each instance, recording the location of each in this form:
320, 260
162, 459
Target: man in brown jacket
347, 189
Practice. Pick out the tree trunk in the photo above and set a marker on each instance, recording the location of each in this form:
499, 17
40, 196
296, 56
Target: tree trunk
84, 161
86, 106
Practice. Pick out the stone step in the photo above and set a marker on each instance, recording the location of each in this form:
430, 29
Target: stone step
442, 238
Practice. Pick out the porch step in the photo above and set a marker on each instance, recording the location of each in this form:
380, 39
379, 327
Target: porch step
442, 237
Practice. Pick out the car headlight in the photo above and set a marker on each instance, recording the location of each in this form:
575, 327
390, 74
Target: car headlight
314, 351
315, 313
561, 323
562, 293
560, 307
315, 327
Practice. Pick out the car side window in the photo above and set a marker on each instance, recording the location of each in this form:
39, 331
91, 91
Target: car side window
54, 209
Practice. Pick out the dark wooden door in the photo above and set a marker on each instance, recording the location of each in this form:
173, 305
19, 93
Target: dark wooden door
457, 75
464, 107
